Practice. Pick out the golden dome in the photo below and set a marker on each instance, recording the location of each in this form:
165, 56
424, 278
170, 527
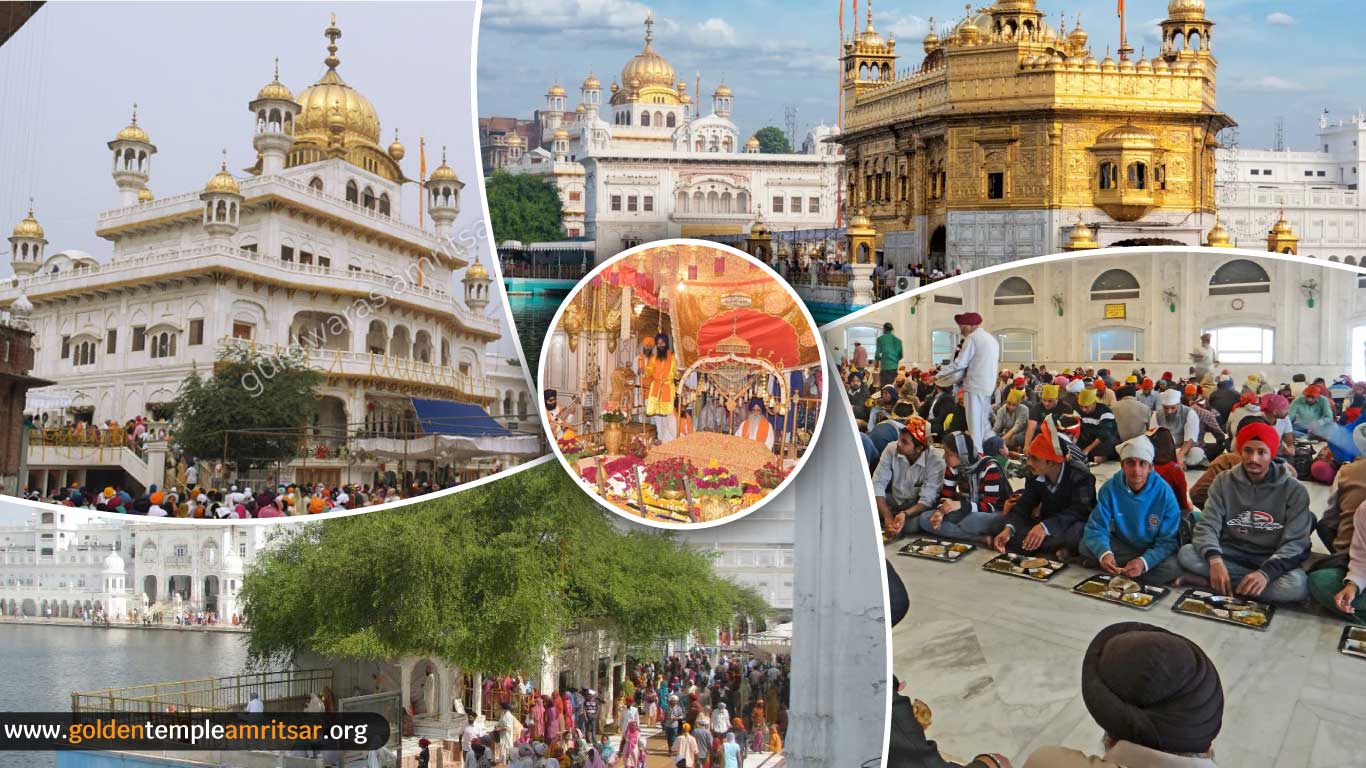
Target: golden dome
1078, 38
275, 89
1015, 5
28, 227
580, 109
133, 131
591, 83
647, 67
759, 228
860, 224
931, 39
968, 33
514, 140
396, 150
1186, 9
223, 182
722, 90
444, 172
145, 195
358, 121
1081, 237
555, 90
1282, 227
753, 143
1218, 236
476, 271
560, 134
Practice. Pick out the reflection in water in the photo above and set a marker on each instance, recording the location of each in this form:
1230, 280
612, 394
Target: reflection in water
533, 314
45, 664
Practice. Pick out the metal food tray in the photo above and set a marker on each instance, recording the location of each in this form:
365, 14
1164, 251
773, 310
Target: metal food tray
949, 555
1214, 600
1104, 578
1357, 634
1053, 568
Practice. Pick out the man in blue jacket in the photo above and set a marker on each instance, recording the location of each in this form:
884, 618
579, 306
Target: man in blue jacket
1133, 529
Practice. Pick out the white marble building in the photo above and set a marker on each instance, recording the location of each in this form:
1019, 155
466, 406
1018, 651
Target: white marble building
649, 165
1150, 305
309, 249
1319, 191
67, 563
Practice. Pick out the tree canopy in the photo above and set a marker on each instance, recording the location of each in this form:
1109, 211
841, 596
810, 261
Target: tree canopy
772, 141
247, 390
485, 578
523, 207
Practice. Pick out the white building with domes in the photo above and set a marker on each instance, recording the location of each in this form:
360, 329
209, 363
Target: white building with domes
307, 248
68, 563
649, 165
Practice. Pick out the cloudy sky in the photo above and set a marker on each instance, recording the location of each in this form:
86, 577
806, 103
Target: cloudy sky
1276, 58
70, 76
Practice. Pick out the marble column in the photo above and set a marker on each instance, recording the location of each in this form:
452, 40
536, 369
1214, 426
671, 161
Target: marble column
862, 284
839, 650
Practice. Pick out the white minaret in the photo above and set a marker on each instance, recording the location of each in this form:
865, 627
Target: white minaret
477, 282
591, 93
133, 152
559, 145
554, 107
443, 196
222, 198
274, 110
26, 245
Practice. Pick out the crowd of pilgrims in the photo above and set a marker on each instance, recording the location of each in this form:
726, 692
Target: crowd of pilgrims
1243, 527
712, 714
193, 500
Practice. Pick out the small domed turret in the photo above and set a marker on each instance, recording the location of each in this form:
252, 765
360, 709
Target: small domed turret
133, 152
396, 150
443, 195
222, 198
27, 243
476, 282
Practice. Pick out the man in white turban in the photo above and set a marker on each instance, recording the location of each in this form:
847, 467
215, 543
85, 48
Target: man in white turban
1184, 424
1133, 529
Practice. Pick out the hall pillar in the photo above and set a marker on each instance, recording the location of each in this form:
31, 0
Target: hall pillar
862, 239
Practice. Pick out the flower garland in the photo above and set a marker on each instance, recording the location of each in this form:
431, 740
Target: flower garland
669, 474
770, 475
716, 480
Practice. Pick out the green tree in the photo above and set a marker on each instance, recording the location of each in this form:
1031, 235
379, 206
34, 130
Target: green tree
772, 141
485, 579
247, 390
523, 207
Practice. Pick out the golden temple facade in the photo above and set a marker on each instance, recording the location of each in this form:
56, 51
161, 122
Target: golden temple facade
1010, 129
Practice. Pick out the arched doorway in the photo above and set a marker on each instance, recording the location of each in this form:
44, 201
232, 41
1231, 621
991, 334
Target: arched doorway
149, 589
211, 594
939, 248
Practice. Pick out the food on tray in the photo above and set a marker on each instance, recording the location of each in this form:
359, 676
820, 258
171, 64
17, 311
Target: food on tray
1034, 562
1140, 599
1092, 588
1355, 645
1125, 585
1038, 573
1250, 618
1196, 606
959, 548
933, 550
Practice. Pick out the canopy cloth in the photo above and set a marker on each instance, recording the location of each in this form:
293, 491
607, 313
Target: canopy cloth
445, 417
445, 447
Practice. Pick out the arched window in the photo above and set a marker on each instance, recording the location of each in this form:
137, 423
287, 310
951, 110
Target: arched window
644, 118
1109, 175
1239, 276
1138, 175
384, 203
368, 199
352, 192
1114, 284
316, 183
1159, 177
670, 120
1014, 290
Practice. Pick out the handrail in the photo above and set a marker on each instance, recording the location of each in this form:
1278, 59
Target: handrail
210, 694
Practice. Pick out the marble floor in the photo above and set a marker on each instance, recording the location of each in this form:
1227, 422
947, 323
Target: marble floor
998, 660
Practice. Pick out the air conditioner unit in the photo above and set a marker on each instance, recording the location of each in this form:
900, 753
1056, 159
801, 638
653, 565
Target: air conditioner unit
906, 283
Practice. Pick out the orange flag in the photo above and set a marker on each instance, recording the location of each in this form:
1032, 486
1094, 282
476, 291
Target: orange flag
421, 176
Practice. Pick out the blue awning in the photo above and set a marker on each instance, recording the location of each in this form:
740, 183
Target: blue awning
443, 417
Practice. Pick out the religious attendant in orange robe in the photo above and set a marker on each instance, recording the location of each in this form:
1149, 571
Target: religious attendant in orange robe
756, 425
660, 374
647, 353
684, 422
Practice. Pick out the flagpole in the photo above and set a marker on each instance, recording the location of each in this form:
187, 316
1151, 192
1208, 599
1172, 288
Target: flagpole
421, 177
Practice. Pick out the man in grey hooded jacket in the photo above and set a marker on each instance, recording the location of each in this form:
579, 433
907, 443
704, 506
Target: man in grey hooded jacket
1253, 533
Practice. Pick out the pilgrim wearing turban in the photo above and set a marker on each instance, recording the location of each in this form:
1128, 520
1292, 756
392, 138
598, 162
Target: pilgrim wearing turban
1156, 695
1184, 424
1253, 534
661, 375
1099, 431
908, 476
1311, 411
1050, 403
1133, 529
1056, 501
975, 368
756, 425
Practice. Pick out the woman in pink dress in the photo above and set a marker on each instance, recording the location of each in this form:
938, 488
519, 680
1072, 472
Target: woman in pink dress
632, 746
537, 718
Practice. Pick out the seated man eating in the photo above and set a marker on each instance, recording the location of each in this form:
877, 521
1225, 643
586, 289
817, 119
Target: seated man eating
908, 477
1253, 532
1099, 431
1133, 529
973, 492
1056, 502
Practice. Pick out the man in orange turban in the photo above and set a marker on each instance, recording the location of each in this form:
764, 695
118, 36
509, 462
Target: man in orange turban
1050, 515
908, 477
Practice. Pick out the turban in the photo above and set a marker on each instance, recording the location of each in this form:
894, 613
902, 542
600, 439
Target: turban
1045, 448
1191, 389
887, 390
1247, 398
1273, 402
1359, 438
649, 343
1138, 448
1131, 379
1049, 392
1020, 381
1225, 382
1075, 386
1312, 391
315, 505
1086, 397
1015, 396
1060, 380
1100, 385
1257, 431
968, 318
546, 397
755, 402
1153, 688
1147, 383
918, 429
109, 490
1170, 397
1167, 376
155, 498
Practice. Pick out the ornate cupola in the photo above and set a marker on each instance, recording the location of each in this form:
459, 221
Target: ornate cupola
26, 245
133, 151
443, 196
476, 282
1186, 32
274, 110
222, 197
